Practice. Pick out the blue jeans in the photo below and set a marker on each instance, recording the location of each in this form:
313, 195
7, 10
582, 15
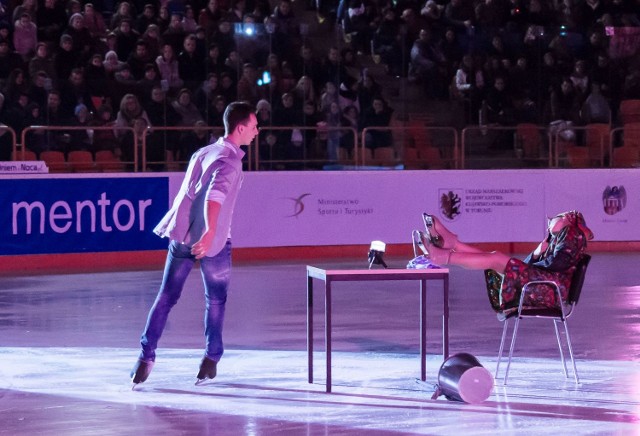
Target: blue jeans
215, 275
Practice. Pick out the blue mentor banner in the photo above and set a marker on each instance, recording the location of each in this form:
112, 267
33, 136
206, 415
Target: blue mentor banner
77, 215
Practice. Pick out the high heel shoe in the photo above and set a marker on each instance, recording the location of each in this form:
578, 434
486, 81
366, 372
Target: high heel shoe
419, 241
430, 226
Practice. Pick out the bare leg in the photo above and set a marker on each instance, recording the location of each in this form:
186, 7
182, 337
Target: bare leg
451, 240
470, 260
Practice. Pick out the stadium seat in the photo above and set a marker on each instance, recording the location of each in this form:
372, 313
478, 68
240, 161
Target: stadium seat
108, 162
81, 161
55, 161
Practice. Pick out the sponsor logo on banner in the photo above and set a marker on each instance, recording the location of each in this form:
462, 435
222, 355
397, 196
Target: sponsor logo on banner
450, 203
614, 199
298, 205
81, 215
327, 206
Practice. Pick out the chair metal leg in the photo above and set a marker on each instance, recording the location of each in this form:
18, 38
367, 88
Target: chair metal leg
573, 362
513, 342
564, 361
504, 335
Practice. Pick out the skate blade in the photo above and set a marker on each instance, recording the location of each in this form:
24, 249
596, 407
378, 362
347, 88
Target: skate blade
203, 381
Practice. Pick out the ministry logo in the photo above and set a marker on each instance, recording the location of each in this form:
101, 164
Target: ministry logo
298, 204
614, 199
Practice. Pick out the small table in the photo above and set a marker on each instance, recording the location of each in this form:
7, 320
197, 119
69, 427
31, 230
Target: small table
349, 275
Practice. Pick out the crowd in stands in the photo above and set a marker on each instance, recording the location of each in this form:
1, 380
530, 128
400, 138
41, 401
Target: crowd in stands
177, 63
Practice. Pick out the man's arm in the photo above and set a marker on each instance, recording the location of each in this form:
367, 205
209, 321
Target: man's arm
211, 212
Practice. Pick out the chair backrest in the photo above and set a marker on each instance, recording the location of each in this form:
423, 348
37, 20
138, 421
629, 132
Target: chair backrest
578, 157
81, 161
55, 161
630, 111
578, 279
626, 157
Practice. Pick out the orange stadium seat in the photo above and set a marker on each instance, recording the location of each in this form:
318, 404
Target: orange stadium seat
55, 161
81, 161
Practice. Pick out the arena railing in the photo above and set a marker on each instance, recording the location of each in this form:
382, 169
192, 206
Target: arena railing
412, 147
64, 139
491, 147
170, 140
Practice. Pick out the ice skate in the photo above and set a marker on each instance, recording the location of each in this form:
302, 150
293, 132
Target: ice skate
140, 372
208, 370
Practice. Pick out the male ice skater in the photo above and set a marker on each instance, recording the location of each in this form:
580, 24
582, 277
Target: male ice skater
198, 227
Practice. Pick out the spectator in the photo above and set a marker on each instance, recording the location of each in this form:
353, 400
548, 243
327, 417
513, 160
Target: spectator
51, 19
82, 45
146, 18
161, 113
94, 22
216, 111
168, 68
139, 59
16, 113
122, 13
228, 88
15, 85
80, 139
288, 146
308, 65
206, 93
428, 65
174, 35
331, 70
9, 61
65, 59
28, 7
42, 62
124, 83
132, 115
190, 65
333, 120
150, 80
328, 96
266, 138
378, 115
189, 23
152, 38
188, 111
286, 36
210, 15
35, 139
247, 86
55, 139
105, 139
126, 39
350, 118
469, 83
304, 92
357, 25
112, 64
193, 140
224, 38
25, 36
580, 79
385, 43
38, 90
74, 91
595, 108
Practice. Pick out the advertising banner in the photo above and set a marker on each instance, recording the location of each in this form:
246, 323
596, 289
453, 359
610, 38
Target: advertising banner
342, 208
75, 215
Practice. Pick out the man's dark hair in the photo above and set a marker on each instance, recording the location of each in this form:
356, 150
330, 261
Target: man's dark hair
236, 113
